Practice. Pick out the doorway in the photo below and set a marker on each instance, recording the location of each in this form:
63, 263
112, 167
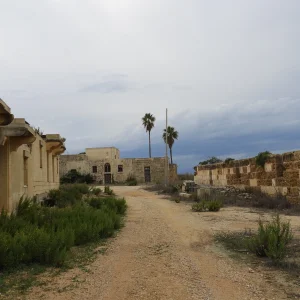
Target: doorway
147, 173
107, 178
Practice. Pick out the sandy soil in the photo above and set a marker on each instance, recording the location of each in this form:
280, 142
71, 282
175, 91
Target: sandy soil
166, 251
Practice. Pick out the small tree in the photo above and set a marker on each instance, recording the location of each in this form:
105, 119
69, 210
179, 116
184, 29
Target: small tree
211, 161
261, 158
172, 135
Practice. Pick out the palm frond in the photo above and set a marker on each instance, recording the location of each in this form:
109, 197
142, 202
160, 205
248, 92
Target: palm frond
148, 121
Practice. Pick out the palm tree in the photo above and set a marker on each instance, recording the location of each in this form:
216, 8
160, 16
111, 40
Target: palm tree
148, 123
172, 135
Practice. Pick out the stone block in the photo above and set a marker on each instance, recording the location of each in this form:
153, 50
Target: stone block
269, 167
202, 192
294, 191
270, 190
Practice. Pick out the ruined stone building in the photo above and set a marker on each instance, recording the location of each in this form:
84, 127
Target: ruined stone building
29, 162
107, 167
280, 174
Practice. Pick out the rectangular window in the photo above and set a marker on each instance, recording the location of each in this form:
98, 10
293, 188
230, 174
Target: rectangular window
120, 168
25, 161
95, 169
41, 154
57, 165
48, 168
53, 169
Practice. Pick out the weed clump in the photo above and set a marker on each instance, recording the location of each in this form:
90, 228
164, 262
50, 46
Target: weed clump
199, 207
108, 191
271, 239
212, 205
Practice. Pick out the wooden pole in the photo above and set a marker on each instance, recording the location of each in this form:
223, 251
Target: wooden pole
167, 159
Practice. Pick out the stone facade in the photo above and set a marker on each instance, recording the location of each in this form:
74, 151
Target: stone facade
281, 174
106, 166
29, 162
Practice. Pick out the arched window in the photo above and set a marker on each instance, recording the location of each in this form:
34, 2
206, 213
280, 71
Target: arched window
107, 168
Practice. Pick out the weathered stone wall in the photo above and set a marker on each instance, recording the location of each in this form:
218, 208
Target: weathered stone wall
131, 166
29, 163
102, 153
279, 175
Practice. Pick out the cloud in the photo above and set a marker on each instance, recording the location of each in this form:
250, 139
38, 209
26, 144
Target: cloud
111, 83
228, 71
105, 87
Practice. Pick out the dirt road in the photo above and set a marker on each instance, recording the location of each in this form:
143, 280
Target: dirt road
165, 251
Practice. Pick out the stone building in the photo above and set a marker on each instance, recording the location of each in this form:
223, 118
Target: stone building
107, 167
280, 174
29, 162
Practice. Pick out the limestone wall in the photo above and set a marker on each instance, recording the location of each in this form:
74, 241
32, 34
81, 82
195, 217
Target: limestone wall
42, 170
129, 166
280, 174
29, 162
108, 153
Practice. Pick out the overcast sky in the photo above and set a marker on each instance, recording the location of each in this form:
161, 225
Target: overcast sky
228, 71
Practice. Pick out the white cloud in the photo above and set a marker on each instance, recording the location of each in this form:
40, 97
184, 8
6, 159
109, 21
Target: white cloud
223, 68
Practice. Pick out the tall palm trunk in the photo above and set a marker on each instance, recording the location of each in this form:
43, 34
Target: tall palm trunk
171, 155
149, 145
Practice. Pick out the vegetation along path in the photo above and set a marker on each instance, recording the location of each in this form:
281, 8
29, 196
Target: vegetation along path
165, 251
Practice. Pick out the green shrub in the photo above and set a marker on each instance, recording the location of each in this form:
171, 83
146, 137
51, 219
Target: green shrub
210, 205
261, 158
97, 203
200, 206
26, 206
214, 205
73, 176
67, 195
229, 160
272, 239
210, 161
108, 191
96, 191
52, 197
82, 188
41, 234
85, 178
121, 206
177, 200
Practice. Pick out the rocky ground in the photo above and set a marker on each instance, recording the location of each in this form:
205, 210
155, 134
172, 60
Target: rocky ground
166, 251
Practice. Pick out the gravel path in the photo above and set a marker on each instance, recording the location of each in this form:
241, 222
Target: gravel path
164, 252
